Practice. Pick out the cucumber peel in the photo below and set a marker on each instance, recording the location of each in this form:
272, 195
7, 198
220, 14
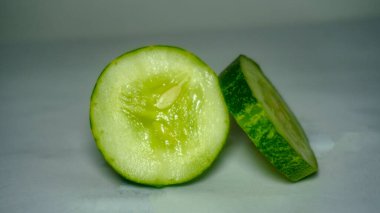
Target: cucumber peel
158, 116
267, 120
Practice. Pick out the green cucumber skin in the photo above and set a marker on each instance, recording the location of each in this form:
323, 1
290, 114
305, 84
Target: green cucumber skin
251, 117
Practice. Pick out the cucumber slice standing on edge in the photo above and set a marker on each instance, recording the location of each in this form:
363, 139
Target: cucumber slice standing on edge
158, 115
264, 116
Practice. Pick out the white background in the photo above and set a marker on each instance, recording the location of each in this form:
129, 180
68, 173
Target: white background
323, 56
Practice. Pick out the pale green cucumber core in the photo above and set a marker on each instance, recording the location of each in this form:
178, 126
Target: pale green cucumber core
277, 110
163, 110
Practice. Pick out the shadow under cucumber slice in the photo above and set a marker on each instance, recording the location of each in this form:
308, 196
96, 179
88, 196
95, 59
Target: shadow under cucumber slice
267, 120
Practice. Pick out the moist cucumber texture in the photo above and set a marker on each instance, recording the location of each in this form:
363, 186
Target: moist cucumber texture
266, 119
158, 116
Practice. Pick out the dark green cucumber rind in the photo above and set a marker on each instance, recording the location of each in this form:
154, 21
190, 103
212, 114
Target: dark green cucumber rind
110, 160
252, 118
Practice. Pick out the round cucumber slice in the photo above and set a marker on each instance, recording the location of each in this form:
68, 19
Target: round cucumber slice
265, 117
158, 115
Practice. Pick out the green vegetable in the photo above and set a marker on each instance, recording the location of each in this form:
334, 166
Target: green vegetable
266, 119
158, 115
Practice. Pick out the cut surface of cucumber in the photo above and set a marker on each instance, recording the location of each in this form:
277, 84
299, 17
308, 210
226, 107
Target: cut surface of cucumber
267, 120
158, 115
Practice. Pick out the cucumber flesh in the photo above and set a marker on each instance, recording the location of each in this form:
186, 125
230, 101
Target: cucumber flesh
158, 116
265, 117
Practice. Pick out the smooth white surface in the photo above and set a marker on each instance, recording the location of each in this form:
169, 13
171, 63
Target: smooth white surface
329, 75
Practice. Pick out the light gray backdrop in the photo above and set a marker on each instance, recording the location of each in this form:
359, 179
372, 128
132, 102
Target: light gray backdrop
323, 56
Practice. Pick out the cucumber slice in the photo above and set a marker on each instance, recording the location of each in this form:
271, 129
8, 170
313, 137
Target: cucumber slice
266, 119
158, 115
